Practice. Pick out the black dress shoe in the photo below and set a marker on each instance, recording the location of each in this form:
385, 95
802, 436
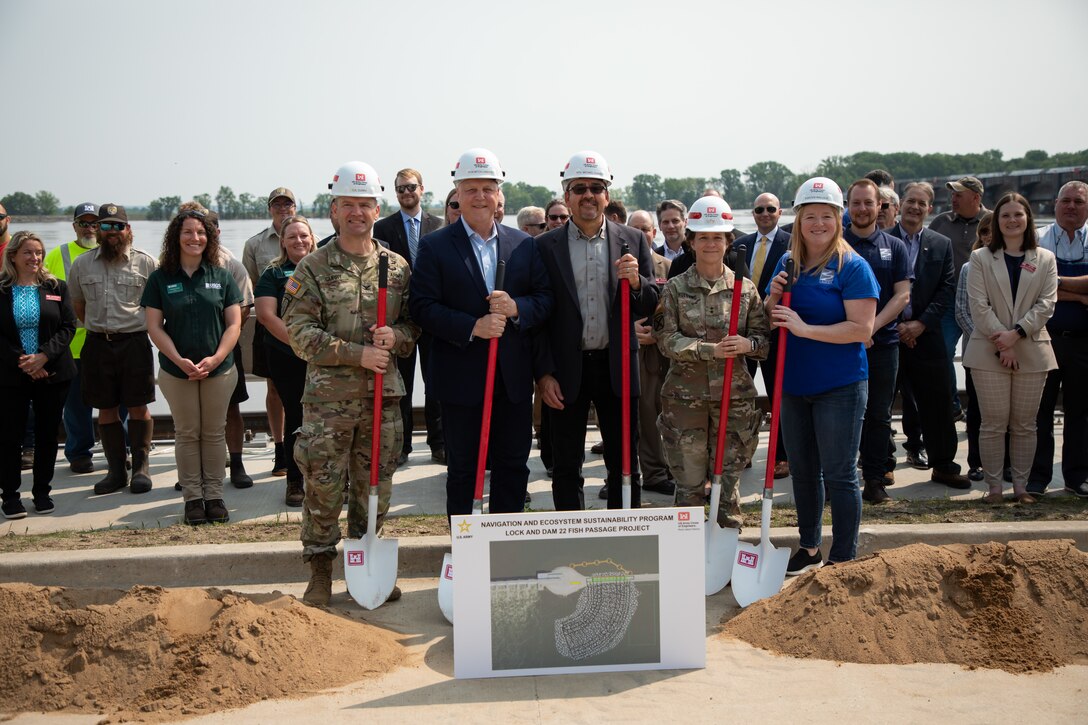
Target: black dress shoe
82, 465
665, 487
402, 459
917, 459
438, 455
603, 495
874, 491
597, 448
950, 479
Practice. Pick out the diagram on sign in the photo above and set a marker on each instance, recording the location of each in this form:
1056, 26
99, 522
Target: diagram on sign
586, 601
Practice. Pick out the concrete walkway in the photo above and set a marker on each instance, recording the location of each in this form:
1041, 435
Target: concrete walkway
418, 488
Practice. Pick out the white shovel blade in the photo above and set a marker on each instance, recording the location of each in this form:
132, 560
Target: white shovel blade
445, 588
721, 548
370, 569
758, 571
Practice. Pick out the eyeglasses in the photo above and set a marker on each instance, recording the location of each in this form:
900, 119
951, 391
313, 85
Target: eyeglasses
112, 226
768, 209
285, 204
454, 205
85, 225
558, 217
404, 188
579, 189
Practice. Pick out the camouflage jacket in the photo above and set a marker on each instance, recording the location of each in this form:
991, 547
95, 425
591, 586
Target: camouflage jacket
692, 316
329, 305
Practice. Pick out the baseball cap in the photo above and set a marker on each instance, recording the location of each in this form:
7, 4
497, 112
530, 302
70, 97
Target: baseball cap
84, 208
967, 183
281, 191
112, 213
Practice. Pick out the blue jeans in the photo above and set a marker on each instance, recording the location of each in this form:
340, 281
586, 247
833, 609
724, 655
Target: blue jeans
877, 429
822, 433
951, 331
78, 422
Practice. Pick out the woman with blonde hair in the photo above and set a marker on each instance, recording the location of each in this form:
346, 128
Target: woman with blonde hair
1012, 287
36, 367
288, 370
825, 375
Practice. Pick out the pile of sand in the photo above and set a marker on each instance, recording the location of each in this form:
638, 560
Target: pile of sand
1018, 607
159, 654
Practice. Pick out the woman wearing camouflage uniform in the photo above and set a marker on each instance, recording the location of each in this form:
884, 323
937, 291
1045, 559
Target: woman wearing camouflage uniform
692, 329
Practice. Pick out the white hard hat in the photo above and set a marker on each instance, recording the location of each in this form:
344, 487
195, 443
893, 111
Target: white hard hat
586, 165
820, 190
710, 214
356, 178
478, 164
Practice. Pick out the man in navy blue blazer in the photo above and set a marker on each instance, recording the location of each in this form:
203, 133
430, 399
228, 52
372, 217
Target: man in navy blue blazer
765, 247
452, 296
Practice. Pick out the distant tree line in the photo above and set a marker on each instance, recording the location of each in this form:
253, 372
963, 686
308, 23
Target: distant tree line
22, 204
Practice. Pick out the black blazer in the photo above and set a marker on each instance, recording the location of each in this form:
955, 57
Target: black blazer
561, 340
934, 287
779, 245
55, 330
447, 295
389, 231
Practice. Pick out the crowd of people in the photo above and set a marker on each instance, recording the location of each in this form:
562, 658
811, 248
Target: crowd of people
878, 302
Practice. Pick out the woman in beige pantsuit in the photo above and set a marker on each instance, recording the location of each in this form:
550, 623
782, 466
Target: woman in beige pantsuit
1012, 286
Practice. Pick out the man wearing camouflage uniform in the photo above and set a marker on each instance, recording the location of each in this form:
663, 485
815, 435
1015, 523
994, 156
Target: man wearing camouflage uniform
691, 321
330, 310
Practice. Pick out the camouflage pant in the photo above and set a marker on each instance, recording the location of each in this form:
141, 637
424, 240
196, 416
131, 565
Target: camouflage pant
333, 446
689, 433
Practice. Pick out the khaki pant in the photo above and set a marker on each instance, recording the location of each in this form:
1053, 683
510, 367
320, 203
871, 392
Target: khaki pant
199, 410
1007, 401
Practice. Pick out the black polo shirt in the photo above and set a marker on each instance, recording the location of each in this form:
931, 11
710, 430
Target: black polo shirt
192, 308
890, 260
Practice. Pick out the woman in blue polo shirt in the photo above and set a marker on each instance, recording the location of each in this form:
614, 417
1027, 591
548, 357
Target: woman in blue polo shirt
825, 376
194, 318
287, 369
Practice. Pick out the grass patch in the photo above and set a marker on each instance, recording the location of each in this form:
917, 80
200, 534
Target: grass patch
930, 511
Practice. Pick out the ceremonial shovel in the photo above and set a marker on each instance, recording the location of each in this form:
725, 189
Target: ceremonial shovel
445, 577
759, 571
625, 382
370, 563
721, 541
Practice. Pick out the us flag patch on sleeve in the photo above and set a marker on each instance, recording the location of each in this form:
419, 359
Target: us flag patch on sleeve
292, 287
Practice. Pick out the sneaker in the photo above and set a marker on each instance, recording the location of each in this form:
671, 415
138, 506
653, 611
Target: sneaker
950, 479
215, 511
279, 466
802, 561
194, 512
1079, 489
976, 474
874, 491
82, 465
43, 506
14, 509
1036, 488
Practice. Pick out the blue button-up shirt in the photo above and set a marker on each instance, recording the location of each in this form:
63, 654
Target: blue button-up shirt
486, 251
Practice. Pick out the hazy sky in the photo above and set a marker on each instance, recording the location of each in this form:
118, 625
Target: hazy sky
127, 101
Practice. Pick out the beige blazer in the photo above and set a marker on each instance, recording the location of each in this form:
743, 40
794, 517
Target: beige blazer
993, 309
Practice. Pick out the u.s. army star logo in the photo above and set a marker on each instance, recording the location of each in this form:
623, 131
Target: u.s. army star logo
464, 526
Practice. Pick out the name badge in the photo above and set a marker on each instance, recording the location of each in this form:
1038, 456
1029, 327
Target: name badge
1028, 266
52, 298
827, 276
289, 274
885, 255
173, 289
213, 285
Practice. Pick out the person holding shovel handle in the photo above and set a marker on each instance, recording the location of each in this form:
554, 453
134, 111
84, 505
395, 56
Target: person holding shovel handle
692, 324
825, 376
330, 311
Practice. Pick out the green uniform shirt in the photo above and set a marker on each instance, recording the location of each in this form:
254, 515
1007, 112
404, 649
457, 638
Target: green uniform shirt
58, 262
192, 309
271, 284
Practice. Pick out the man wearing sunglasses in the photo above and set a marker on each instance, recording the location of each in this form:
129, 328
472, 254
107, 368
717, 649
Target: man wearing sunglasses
764, 248
117, 367
259, 251
78, 421
531, 220
401, 232
580, 355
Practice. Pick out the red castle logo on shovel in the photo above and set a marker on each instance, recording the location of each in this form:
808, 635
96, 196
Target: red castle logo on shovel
355, 558
447, 572
748, 559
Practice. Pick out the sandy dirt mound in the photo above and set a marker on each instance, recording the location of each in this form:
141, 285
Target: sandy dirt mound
155, 654
1018, 607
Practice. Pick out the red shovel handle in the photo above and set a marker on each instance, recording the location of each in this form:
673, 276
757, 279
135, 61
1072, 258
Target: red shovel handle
376, 434
489, 395
739, 273
625, 368
776, 400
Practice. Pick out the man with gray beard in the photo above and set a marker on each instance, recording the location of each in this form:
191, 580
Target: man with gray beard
118, 368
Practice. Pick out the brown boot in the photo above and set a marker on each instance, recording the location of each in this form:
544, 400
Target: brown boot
295, 493
319, 590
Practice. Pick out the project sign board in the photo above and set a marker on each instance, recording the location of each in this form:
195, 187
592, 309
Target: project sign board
578, 591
